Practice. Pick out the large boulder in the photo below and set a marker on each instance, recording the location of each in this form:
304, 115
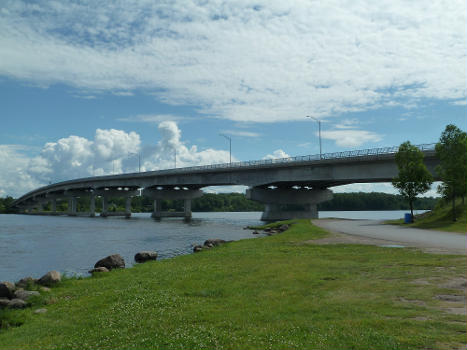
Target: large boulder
110, 262
17, 304
214, 242
25, 282
99, 269
50, 278
4, 302
7, 290
25, 294
145, 256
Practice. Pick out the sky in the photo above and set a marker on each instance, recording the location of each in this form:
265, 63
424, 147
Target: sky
104, 87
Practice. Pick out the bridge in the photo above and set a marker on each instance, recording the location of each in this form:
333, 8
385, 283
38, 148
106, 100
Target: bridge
281, 184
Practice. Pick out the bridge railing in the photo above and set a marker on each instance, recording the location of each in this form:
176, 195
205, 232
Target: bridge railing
315, 157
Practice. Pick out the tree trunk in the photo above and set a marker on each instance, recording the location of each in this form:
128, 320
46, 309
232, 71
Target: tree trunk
411, 211
453, 208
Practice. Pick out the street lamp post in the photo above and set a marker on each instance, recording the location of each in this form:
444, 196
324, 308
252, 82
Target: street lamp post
230, 147
139, 159
319, 133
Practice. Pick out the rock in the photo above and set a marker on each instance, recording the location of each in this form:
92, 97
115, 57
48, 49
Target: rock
50, 278
17, 304
7, 290
255, 232
214, 242
283, 228
40, 311
44, 289
111, 262
99, 269
145, 256
4, 302
197, 248
25, 282
25, 294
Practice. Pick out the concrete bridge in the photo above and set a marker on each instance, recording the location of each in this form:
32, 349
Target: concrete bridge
278, 183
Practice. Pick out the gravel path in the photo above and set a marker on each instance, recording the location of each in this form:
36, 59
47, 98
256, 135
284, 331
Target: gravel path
374, 232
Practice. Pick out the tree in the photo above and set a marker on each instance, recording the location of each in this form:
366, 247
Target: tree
452, 153
414, 178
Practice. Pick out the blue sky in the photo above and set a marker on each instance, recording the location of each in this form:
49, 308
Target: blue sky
84, 86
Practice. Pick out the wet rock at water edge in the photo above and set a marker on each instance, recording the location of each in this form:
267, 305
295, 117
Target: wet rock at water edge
145, 256
197, 248
99, 269
25, 294
284, 227
4, 302
255, 232
25, 282
110, 262
7, 290
17, 304
50, 278
214, 242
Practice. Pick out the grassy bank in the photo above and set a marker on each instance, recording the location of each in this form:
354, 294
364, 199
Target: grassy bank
277, 292
440, 218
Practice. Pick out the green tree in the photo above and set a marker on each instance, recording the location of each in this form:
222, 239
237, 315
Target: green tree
414, 178
452, 153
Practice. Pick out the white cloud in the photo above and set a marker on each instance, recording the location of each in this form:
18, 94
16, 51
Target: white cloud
111, 151
260, 61
15, 179
277, 154
350, 137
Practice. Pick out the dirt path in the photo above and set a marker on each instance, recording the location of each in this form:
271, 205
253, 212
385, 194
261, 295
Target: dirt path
375, 233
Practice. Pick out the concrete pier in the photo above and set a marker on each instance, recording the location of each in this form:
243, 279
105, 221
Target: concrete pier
171, 194
277, 200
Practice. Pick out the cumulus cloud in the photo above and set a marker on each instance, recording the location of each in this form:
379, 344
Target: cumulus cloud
277, 154
110, 152
259, 61
351, 137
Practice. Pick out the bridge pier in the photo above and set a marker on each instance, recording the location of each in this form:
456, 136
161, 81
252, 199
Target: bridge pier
173, 194
72, 206
107, 193
278, 202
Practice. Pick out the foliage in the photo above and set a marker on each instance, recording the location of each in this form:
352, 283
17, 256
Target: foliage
277, 292
5, 204
440, 218
452, 153
413, 178
374, 201
238, 202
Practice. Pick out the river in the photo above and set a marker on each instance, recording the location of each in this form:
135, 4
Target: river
32, 245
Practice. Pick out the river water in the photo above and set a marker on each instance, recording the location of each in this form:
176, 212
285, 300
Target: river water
32, 245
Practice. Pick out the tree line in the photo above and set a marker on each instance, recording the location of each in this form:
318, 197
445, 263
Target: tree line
231, 202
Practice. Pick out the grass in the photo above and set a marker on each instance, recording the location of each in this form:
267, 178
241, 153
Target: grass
276, 292
439, 218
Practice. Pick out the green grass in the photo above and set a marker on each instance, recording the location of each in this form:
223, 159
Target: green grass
274, 292
439, 218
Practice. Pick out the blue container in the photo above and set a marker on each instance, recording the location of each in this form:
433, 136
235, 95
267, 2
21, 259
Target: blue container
408, 218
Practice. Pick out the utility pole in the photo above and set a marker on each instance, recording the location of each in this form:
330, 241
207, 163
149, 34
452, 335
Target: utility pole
139, 159
319, 133
230, 148
175, 156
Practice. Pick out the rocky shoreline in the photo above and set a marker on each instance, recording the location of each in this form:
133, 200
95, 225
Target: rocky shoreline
18, 295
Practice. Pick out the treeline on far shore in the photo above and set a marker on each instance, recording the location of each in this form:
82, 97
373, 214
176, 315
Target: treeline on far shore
211, 202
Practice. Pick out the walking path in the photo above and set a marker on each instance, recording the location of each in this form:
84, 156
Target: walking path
374, 232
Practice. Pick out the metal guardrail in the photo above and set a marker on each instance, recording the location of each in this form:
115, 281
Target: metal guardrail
314, 157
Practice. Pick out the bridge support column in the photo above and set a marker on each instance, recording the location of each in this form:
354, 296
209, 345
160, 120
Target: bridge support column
72, 206
280, 202
116, 192
128, 207
53, 205
105, 206
159, 194
92, 206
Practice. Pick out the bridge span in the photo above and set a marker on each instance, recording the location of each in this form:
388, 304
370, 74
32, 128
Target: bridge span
278, 183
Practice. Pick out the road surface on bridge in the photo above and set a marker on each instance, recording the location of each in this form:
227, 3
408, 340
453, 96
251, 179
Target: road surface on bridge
430, 240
